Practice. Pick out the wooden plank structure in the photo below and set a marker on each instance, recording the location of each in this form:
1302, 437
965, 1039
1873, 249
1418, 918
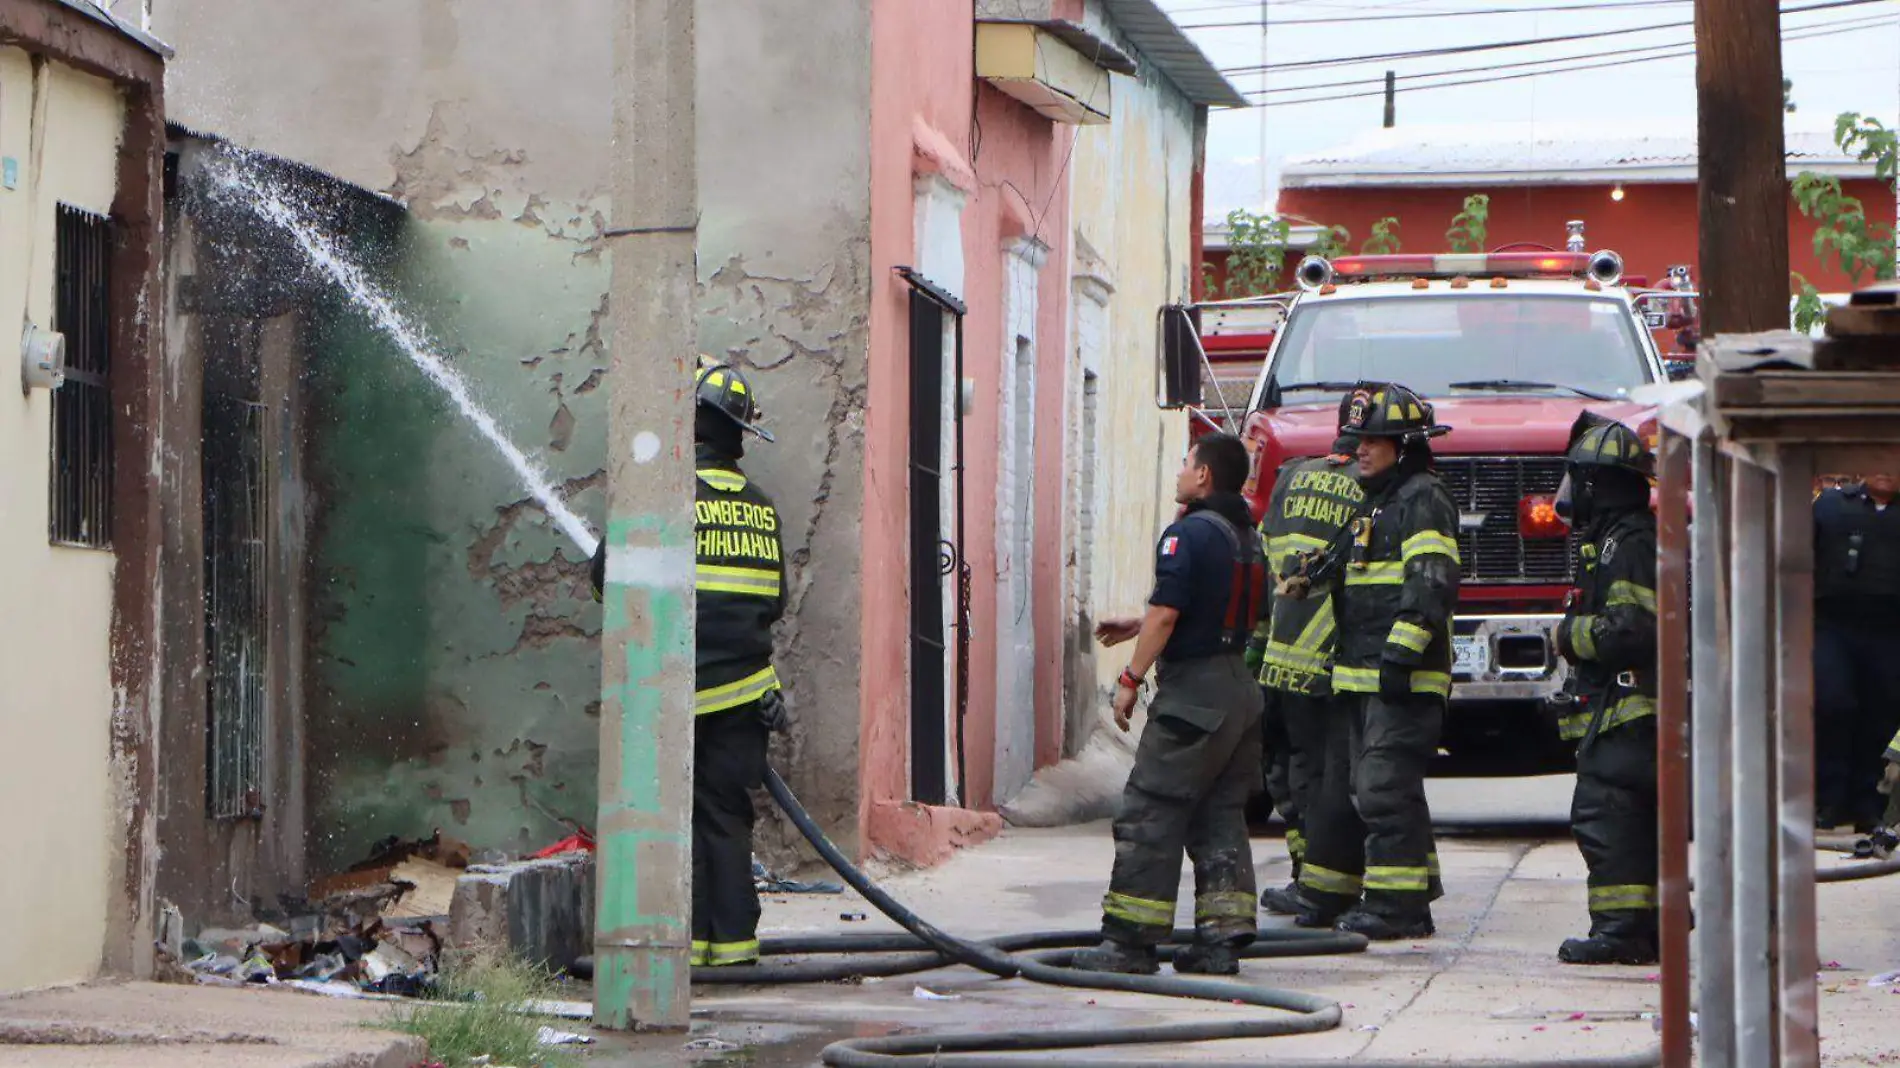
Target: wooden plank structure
1743, 444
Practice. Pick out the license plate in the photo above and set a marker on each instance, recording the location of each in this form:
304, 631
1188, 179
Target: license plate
1471, 656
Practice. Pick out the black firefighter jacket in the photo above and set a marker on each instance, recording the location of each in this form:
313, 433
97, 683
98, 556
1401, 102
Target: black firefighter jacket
1609, 631
1313, 500
1398, 590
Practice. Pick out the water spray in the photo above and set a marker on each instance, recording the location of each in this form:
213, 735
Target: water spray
238, 175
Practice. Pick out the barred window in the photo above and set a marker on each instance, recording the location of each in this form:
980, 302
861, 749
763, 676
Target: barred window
81, 506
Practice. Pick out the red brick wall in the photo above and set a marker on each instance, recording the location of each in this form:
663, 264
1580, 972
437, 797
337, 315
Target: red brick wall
1653, 227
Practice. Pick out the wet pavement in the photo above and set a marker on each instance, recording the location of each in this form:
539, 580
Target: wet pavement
1486, 988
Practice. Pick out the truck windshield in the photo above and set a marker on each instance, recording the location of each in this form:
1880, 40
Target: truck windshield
1558, 344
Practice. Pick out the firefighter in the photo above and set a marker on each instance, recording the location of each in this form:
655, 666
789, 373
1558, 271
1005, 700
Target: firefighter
1395, 591
1198, 760
1608, 635
1312, 503
1856, 630
739, 584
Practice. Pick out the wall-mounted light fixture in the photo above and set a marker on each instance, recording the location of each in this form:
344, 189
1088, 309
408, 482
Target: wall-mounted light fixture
1617, 193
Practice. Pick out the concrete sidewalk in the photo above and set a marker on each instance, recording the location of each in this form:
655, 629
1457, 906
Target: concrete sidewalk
161, 1025
1488, 987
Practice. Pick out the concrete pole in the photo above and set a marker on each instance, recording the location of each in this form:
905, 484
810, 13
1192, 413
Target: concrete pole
643, 933
1711, 736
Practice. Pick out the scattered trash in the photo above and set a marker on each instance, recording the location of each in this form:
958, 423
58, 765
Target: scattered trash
1884, 979
580, 842
548, 1036
849, 917
1833, 966
931, 995
1575, 1016
563, 1010
769, 882
1539, 1027
1375, 1027
710, 1045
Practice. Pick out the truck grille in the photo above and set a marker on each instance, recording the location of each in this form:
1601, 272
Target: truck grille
1492, 486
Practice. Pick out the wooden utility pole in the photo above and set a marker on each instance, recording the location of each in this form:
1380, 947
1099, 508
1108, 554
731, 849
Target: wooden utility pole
1743, 176
642, 930
1391, 99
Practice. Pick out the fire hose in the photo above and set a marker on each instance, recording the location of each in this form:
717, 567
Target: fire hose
1042, 956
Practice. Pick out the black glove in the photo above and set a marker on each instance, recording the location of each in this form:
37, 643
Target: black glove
1395, 680
772, 711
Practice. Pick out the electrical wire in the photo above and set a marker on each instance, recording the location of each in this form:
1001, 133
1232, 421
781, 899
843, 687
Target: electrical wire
1804, 33
1453, 50
1683, 52
1334, 20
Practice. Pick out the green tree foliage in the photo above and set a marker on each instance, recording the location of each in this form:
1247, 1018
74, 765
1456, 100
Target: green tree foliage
1384, 239
1844, 235
1467, 231
1256, 252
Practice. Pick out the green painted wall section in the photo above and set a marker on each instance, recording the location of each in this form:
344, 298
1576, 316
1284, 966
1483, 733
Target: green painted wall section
456, 668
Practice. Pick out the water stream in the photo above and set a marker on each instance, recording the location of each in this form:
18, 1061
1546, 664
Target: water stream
236, 175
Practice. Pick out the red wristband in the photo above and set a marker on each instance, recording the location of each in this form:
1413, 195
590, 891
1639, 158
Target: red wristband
1130, 679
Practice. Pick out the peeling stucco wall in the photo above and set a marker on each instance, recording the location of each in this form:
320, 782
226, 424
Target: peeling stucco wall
784, 262
454, 645
1132, 217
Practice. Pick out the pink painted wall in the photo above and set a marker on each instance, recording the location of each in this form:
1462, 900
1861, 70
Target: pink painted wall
1010, 164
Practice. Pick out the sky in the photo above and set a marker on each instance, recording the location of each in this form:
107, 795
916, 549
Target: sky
1856, 68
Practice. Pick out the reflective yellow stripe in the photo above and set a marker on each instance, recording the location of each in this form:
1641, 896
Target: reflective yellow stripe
719, 953
1427, 542
1295, 844
1287, 656
757, 581
702, 953
1140, 911
1409, 636
1573, 726
1318, 632
1355, 680
734, 694
1431, 864
1582, 641
1221, 905
723, 481
1612, 898
1281, 546
1893, 749
1630, 709
1328, 881
1622, 592
1432, 682
1382, 877
1383, 573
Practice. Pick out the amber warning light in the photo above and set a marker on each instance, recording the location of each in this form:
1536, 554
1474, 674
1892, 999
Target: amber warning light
1537, 517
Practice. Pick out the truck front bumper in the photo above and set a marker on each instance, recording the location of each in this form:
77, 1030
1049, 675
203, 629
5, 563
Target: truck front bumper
1506, 658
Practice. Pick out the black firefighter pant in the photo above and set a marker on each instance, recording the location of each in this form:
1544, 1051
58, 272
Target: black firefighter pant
1333, 876
728, 763
1196, 764
1856, 709
1613, 815
1290, 734
1392, 744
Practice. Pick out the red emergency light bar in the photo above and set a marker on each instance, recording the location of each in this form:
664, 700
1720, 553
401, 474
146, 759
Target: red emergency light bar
1603, 267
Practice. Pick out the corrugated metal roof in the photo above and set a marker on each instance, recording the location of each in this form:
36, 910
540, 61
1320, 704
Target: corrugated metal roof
1527, 153
1163, 44
99, 13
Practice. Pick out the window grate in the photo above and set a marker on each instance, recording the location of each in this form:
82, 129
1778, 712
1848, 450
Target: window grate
80, 512
236, 510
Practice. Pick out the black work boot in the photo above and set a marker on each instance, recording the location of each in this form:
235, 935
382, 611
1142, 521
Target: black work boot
1121, 957
1318, 917
1283, 901
1606, 949
1204, 959
1380, 928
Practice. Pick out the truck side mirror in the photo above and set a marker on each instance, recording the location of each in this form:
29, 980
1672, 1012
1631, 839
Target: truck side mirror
1179, 373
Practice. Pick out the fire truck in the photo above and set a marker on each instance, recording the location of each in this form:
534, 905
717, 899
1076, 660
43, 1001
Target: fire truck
1509, 346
